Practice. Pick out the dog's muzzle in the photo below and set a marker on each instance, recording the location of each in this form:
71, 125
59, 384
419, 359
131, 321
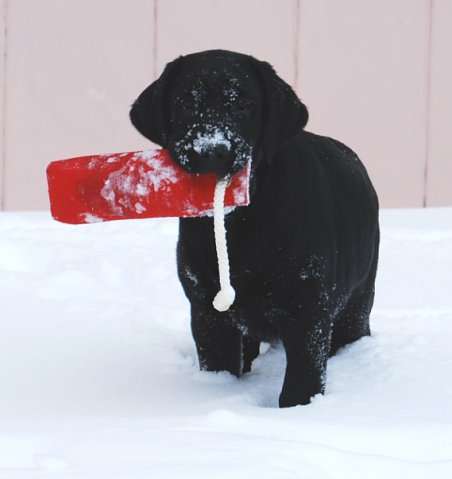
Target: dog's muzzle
218, 160
217, 151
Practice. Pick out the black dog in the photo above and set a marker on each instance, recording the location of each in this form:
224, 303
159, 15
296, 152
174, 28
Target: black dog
304, 253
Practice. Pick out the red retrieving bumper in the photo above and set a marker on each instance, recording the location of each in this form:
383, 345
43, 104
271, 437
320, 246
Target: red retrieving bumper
141, 184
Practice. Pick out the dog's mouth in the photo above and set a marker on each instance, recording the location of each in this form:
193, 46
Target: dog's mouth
213, 150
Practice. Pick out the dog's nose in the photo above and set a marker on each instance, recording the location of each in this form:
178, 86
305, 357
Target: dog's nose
214, 160
219, 155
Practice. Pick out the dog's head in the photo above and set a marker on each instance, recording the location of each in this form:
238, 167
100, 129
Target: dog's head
215, 110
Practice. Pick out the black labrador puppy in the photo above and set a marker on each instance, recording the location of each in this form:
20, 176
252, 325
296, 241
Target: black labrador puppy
303, 254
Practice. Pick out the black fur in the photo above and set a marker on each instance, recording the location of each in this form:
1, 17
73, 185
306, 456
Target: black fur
303, 255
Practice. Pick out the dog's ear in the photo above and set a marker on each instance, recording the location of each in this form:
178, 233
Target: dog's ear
148, 113
284, 114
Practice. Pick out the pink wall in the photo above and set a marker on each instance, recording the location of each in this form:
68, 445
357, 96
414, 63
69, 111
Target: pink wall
439, 173
373, 74
2, 97
364, 73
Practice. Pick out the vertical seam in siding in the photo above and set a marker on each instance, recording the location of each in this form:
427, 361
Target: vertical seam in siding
296, 51
4, 33
155, 38
428, 81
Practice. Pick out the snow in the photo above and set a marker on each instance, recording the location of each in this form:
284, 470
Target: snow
137, 180
99, 378
89, 218
208, 141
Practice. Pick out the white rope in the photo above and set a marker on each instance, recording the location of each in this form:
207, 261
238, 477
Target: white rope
225, 297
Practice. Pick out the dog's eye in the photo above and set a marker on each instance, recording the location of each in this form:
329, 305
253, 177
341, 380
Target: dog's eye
186, 103
231, 95
184, 100
239, 102
245, 105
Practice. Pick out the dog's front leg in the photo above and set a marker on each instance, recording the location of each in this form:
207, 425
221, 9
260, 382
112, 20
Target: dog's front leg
218, 341
306, 341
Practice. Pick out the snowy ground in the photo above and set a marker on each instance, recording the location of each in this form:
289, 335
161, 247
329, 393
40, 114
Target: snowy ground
98, 375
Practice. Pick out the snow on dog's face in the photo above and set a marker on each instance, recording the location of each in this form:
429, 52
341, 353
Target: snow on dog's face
214, 110
214, 116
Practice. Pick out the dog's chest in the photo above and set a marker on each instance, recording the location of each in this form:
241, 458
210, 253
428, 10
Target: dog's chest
256, 254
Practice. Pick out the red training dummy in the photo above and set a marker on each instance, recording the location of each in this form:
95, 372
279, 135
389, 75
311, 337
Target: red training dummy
142, 184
